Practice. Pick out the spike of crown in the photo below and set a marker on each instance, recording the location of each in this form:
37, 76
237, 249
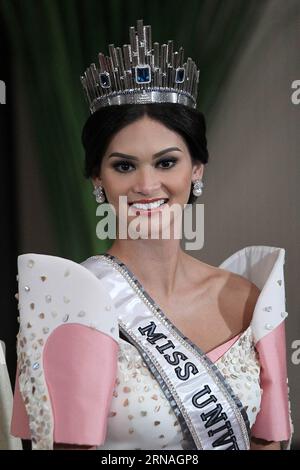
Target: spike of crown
141, 74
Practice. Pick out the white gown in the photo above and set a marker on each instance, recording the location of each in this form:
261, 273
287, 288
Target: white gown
133, 411
141, 417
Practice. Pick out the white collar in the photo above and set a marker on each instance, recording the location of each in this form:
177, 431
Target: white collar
262, 265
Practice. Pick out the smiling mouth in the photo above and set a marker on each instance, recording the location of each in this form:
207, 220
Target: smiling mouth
150, 207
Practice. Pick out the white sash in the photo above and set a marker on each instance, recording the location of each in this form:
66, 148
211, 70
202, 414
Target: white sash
211, 416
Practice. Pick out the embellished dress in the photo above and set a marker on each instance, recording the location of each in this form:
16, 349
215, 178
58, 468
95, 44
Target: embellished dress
131, 408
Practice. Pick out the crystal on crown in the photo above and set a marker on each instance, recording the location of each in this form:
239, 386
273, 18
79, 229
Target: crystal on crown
105, 80
140, 73
143, 74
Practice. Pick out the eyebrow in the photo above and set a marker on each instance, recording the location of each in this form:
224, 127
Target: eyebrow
131, 157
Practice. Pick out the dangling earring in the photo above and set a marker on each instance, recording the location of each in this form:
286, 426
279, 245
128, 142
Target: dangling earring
99, 194
197, 187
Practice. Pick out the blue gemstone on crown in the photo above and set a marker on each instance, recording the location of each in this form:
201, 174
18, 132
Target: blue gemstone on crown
180, 73
104, 80
143, 74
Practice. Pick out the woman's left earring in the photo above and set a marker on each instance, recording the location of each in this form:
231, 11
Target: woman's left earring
99, 194
197, 187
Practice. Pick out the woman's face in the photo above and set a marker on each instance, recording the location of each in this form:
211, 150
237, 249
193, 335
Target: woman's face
144, 161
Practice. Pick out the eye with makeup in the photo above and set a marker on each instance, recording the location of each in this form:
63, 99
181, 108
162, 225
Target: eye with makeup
122, 166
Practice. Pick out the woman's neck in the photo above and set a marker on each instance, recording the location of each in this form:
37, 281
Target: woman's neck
160, 265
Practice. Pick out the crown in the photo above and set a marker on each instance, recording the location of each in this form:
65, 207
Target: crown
139, 74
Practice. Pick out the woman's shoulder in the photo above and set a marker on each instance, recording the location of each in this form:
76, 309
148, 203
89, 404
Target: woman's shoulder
234, 282
237, 295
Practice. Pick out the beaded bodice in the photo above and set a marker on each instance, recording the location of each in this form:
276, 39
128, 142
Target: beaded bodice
140, 415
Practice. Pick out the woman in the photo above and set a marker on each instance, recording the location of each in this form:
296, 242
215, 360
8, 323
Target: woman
196, 342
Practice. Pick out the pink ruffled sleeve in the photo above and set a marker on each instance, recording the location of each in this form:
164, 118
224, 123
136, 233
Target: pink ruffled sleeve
273, 422
80, 366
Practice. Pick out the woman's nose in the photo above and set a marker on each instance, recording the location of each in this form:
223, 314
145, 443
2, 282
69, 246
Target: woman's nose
146, 182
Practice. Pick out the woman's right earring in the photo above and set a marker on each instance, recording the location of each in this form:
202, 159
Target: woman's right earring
99, 194
197, 188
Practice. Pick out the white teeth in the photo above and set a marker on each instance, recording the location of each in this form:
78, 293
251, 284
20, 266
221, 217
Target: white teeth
151, 205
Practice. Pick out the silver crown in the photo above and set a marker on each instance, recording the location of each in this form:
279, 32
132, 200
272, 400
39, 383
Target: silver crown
141, 74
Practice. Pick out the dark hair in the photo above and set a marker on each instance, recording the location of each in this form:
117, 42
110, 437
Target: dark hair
104, 123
